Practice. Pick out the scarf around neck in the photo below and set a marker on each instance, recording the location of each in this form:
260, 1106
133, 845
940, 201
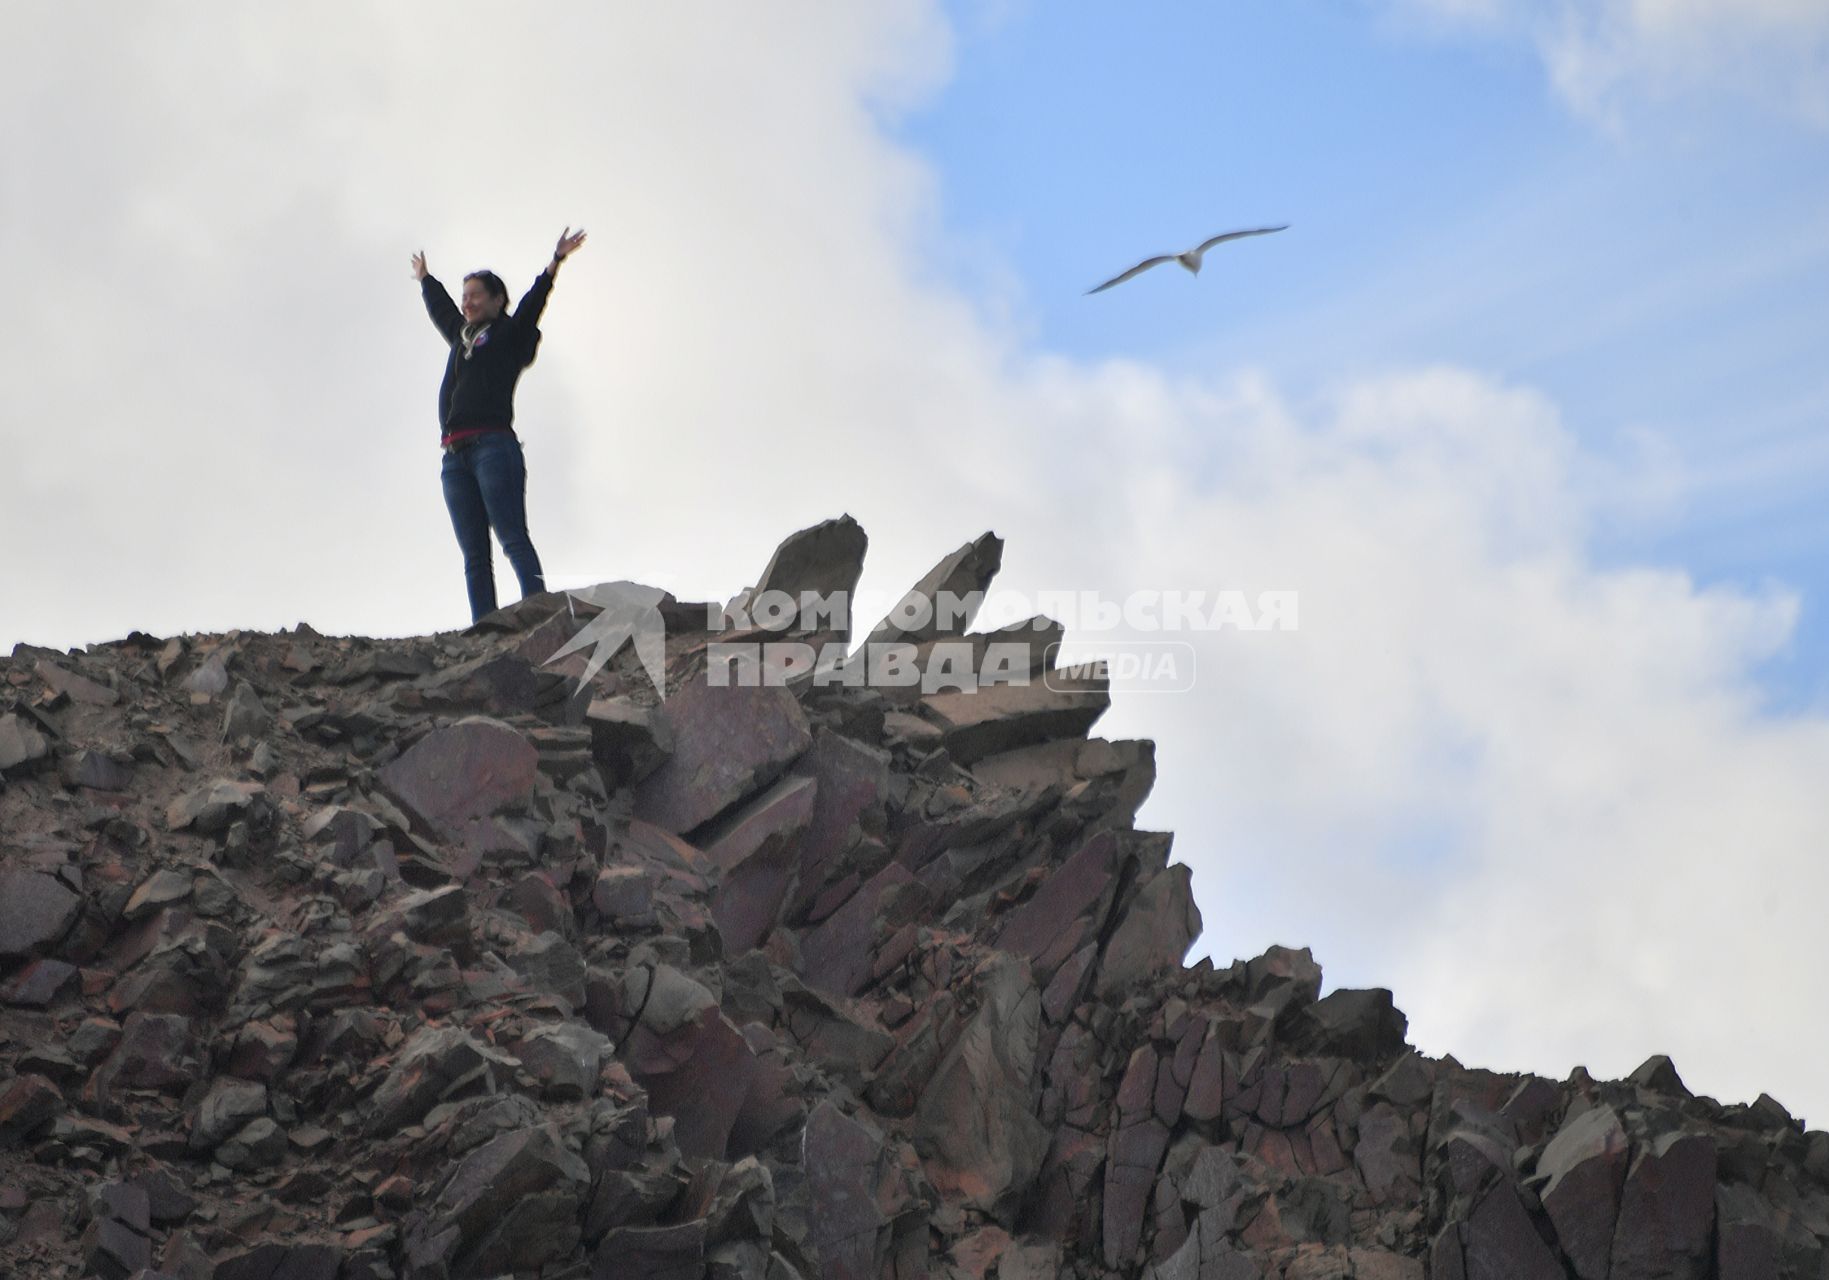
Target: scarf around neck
472, 334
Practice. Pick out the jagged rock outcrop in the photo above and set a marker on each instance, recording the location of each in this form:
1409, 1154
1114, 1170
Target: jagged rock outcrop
332, 958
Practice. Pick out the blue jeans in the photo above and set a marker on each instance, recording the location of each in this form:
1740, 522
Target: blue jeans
486, 488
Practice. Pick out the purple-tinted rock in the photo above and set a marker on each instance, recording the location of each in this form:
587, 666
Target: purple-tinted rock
942, 602
699, 1072
20, 743
227, 1107
624, 896
835, 956
96, 770
1746, 1239
27, 1104
209, 809
851, 780
167, 1201
991, 719
565, 1058
823, 558
756, 849
973, 1126
245, 716
1501, 1244
515, 1202
1360, 1024
342, 833
675, 1252
154, 1052
628, 741
1072, 892
124, 1203
1207, 1082
536, 900
843, 1163
437, 1061
1156, 931
463, 772
729, 742
1586, 1164
1659, 1074
1137, 1143
35, 911
436, 916
550, 964
159, 890
77, 688
40, 984
259, 1144
1667, 1211
1068, 984
275, 1261
211, 676
1531, 1108
113, 1250
1386, 1156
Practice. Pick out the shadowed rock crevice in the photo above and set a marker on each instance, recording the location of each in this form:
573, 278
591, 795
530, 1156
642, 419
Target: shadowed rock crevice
339, 958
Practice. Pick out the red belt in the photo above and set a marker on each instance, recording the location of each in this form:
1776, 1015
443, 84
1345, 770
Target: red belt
455, 440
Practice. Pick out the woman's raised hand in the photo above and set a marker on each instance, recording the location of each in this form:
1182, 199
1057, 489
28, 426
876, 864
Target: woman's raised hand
419, 271
569, 241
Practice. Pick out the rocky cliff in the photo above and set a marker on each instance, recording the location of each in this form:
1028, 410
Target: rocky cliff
332, 957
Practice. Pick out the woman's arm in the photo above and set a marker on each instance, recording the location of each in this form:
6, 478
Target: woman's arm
533, 302
527, 312
438, 304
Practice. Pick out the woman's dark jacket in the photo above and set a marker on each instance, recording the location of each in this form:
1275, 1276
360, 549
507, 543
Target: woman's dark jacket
478, 387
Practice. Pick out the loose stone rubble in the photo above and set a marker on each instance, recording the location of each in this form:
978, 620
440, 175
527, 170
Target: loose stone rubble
336, 958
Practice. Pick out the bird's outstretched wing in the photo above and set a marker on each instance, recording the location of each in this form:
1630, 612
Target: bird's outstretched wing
1145, 265
1234, 235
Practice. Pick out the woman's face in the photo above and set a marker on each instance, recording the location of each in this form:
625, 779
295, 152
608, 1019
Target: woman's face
478, 303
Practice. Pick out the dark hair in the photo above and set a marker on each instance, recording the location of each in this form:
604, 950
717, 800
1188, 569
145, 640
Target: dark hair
493, 283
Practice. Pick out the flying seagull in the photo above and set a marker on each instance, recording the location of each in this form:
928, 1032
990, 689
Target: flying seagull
1190, 259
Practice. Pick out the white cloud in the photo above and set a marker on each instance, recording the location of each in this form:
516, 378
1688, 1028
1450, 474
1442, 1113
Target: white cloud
1602, 54
1533, 795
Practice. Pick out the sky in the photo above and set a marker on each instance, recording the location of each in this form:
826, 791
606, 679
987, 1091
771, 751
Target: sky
1527, 405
